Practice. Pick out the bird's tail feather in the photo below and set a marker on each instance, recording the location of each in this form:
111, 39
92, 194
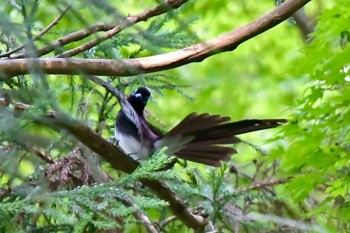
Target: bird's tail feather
207, 136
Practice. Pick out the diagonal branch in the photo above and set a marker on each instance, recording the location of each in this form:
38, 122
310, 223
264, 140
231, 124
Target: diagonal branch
128, 67
116, 158
115, 92
120, 161
142, 217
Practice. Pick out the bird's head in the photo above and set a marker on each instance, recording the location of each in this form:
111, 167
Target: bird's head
138, 99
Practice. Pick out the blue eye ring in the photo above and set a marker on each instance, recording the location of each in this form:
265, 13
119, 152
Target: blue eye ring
138, 95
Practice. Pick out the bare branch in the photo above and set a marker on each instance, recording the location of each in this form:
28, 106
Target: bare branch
145, 221
127, 67
107, 86
167, 221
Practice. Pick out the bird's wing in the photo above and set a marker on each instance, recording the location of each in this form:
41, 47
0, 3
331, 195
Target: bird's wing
131, 114
148, 133
155, 130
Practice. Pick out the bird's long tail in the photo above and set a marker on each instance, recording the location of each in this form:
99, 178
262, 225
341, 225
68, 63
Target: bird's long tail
204, 138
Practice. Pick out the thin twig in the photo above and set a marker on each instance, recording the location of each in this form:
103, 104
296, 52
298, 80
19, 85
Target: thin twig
127, 22
47, 158
42, 33
114, 91
144, 219
262, 185
167, 221
111, 31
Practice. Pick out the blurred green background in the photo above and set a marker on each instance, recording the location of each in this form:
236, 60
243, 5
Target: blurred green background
274, 75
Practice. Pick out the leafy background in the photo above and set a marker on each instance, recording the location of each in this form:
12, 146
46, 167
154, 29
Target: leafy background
292, 179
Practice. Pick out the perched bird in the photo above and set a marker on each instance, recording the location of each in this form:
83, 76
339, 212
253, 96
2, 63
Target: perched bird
201, 138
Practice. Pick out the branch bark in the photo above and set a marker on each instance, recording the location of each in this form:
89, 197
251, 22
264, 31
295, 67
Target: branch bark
120, 161
116, 158
129, 67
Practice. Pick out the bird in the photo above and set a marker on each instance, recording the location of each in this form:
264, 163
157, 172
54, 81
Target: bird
201, 138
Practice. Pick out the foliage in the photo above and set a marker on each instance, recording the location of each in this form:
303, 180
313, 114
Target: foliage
317, 151
298, 182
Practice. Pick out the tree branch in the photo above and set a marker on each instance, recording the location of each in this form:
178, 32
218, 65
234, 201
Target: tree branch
120, 161
116, 158
112, 30
262, 185
128, 67
127, 22
72, 37
138, 214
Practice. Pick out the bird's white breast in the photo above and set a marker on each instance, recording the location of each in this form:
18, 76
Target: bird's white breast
131, 146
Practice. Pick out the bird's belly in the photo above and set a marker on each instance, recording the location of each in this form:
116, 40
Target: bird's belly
132, 147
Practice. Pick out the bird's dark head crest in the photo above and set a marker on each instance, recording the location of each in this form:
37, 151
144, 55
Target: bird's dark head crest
142, 94
138, 99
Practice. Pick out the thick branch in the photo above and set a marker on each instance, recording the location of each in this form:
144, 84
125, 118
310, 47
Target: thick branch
124, 163
116, 158
127, 67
